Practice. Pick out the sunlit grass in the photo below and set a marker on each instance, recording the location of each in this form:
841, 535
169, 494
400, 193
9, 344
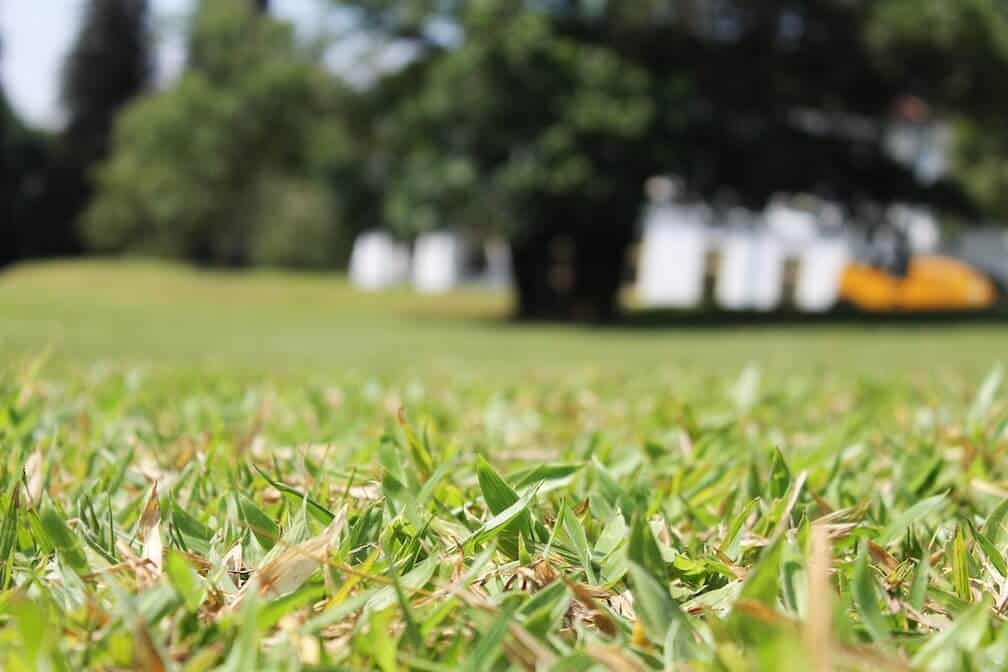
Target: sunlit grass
272, 323
749, 522
219, 471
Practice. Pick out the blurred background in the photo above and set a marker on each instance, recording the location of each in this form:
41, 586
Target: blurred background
583, 158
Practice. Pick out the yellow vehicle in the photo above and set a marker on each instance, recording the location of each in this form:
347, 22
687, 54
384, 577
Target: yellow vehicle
921, 283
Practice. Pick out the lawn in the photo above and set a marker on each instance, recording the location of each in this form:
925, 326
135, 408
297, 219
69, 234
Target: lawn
269, 324
270, 471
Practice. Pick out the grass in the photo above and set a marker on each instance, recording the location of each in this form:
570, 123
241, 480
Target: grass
274, 324
214, 471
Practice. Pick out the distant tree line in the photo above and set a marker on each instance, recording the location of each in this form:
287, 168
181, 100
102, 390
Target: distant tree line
536, 120
48, 175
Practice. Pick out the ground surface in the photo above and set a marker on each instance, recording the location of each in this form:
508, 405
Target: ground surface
267, 324
183, 451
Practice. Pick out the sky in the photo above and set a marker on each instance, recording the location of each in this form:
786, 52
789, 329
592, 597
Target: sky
36, 35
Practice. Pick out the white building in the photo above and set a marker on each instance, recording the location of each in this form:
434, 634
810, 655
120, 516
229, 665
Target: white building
820, 267
753, 251
440, 261
673, 251
437, 262
751, 270
378, 261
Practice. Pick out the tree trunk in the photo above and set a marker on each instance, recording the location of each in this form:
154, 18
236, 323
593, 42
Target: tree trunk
598, 273
569, 277
536, 297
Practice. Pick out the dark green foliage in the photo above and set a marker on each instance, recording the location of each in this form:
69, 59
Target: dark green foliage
45, 180
110, 63
536, 120
25, 168
545, 119
227, 165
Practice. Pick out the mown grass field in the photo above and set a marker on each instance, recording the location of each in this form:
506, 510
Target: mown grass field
266, 325
221, 471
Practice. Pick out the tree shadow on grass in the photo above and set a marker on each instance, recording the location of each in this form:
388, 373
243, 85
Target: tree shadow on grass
713, 317
842, 316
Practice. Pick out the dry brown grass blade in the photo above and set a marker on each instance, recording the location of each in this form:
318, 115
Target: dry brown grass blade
198, 562
764, 614
823, 504
149, 532
988, 488
519, 656
614, 658
879, 554
33, 478
585, 596
151, 514
146, 657
232, 560
292, 566
818, 620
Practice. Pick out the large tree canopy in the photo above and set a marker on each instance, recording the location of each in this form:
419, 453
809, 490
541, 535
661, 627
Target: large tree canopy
110, 63
228, 165
24, 169
543, 119
955, 56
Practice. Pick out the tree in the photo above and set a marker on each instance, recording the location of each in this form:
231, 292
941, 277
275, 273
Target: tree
25, 165
545, 119
109, 64
9, 186
955, 56
523, 130
228, 165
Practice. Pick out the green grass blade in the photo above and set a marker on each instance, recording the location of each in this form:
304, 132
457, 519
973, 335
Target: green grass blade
865, 597
63, 539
